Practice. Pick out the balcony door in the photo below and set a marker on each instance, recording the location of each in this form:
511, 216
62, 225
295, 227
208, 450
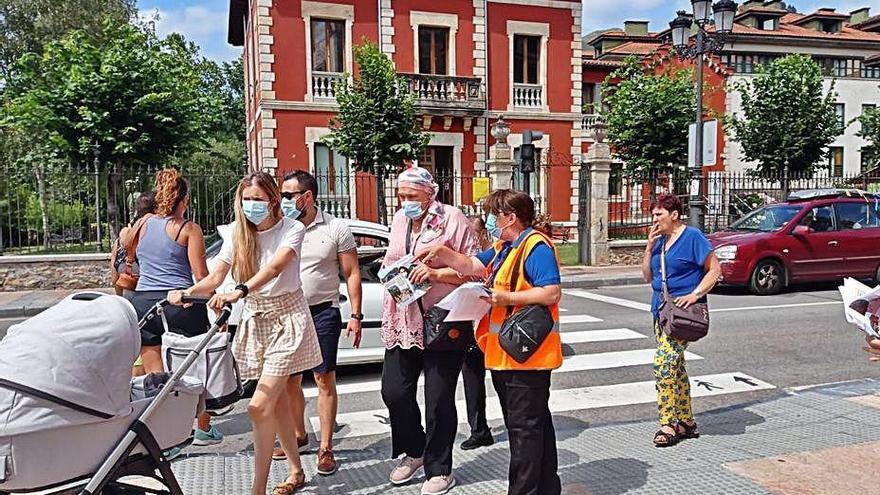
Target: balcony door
328, 55
433, 50
438, 161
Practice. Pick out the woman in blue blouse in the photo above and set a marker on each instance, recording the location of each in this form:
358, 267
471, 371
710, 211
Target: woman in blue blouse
691, 271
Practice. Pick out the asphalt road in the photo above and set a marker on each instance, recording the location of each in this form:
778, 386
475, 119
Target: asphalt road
758, 347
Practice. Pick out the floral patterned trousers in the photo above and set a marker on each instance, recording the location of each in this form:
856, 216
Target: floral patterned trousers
671, 379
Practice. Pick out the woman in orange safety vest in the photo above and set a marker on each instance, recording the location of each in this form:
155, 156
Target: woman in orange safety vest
522, 269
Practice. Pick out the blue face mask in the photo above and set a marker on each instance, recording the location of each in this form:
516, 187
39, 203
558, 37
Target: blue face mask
492, 226
255, 211
412, 209
288, 206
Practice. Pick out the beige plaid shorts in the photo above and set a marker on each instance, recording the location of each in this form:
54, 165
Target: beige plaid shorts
276, 337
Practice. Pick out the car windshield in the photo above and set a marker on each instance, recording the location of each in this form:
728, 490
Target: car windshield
767, 219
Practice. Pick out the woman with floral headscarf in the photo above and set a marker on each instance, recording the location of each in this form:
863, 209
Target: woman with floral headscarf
420, 223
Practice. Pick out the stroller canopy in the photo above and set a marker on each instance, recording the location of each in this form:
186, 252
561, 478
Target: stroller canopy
77, 354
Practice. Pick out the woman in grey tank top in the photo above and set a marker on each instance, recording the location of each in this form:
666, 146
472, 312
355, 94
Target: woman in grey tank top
171, 253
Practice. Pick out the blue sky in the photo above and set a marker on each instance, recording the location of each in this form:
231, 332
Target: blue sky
204, 21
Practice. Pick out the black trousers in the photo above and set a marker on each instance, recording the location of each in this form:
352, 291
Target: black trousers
474, 374
525, 397
400, 374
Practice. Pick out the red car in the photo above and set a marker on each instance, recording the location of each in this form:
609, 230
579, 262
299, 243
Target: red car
816, 235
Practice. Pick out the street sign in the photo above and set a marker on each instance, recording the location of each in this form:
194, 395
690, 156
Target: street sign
710, 142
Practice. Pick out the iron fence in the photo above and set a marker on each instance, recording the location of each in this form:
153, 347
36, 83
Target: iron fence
728, 195
68, 209
75, 210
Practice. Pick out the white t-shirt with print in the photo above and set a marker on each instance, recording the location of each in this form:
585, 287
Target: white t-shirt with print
287, 233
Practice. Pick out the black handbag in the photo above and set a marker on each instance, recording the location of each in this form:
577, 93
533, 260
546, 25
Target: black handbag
440, 335
524, 331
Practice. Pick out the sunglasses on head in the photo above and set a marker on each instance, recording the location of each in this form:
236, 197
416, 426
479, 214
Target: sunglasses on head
292, 195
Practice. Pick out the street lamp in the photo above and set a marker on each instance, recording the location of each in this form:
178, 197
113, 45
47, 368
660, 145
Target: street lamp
706, 43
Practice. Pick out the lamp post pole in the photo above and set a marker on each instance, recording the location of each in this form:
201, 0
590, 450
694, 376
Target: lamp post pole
696, 204
704, 43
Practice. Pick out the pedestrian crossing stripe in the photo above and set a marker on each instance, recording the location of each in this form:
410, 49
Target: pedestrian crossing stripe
581, 362
375, 422
570, 319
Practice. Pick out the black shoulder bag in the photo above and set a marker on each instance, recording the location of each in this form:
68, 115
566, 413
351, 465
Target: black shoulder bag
523, 332
441, 335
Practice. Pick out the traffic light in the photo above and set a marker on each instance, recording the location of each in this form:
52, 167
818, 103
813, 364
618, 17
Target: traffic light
527, 150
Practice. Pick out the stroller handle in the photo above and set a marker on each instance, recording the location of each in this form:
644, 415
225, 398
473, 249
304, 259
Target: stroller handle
195, 299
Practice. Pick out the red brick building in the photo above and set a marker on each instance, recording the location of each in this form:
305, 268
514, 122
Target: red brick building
467, 61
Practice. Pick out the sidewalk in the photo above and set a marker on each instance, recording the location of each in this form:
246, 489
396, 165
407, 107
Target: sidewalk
24, 304
821, 441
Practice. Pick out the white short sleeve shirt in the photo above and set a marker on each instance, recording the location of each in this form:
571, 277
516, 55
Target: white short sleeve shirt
287, 233
325, 238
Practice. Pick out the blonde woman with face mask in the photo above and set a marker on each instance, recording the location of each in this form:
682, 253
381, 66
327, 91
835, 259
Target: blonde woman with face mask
276, 337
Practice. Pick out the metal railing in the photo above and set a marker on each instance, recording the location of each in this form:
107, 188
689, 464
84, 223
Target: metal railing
70, 209
528, 95
324, 84
729, 195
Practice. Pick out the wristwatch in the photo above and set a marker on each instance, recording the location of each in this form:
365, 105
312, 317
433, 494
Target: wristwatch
357, 316
243, 288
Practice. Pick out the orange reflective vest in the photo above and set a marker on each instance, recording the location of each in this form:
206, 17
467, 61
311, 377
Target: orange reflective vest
549, 354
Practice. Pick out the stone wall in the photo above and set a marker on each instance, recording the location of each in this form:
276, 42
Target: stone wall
88, 271
626, 252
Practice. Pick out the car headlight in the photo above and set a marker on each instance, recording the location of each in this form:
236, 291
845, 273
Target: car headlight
725, 253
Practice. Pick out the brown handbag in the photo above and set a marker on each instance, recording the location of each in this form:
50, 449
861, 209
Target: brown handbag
128, 277
689, 324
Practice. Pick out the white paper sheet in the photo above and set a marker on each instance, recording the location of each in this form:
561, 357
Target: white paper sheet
464, 303
850, 291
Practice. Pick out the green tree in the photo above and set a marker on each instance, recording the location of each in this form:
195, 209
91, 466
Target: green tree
870, 131
376, 125
26, 26
649, 115
787, 116
121, 98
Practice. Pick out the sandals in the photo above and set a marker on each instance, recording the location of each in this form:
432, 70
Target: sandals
290, 487
689, 431
683, 431
666, 439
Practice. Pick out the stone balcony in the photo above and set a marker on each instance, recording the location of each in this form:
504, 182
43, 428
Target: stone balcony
447, 95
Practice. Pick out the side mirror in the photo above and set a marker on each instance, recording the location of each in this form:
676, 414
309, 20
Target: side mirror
801, 230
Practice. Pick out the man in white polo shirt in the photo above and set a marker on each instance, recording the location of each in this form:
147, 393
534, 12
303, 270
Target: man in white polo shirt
328, 249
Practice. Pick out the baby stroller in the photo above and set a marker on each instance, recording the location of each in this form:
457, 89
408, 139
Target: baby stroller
70, 411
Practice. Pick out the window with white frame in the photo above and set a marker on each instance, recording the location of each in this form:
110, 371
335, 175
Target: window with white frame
528, 65
328, 47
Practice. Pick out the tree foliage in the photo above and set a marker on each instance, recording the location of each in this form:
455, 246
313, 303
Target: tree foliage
134, 99
648, 115
787, 117
26, 26
870, 131
376, 125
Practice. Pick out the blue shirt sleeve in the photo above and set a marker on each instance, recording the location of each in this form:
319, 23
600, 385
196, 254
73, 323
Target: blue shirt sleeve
486, 256
542, 268
700, 247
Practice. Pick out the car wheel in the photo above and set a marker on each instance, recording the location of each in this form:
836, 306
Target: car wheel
768, 278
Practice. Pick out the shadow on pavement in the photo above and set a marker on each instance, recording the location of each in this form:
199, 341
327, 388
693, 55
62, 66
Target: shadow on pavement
614, 476
732, 422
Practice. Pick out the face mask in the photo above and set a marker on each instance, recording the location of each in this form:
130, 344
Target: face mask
412, 209
255, 211
288, 206
492, 226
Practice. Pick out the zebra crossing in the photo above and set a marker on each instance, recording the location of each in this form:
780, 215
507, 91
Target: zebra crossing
576, 329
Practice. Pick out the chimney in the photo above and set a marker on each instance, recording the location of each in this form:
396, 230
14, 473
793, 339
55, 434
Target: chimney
751, 4
773, 5
860, 15
635, 28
